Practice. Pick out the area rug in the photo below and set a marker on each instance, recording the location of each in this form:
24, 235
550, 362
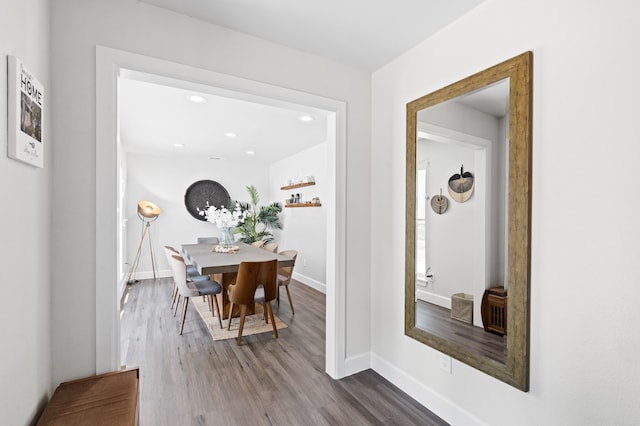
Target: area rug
253, 324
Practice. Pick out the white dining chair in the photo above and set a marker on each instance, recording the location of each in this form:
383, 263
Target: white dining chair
188, 289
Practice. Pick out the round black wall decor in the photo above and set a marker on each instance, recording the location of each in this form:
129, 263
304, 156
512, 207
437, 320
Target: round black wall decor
202, 192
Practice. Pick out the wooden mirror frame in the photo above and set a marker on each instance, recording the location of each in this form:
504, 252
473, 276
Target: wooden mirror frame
516, 369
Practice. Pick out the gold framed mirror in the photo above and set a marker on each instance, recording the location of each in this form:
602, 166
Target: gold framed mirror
478, 129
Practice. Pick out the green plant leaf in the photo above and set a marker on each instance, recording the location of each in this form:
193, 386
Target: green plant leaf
265, 217
253, 195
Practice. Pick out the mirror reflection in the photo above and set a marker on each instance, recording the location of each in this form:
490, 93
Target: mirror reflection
468, 218
461, 163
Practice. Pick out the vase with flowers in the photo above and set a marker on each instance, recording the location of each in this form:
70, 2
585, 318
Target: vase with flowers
226, 220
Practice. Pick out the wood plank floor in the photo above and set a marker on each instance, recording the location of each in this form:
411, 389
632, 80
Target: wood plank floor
437, 321
191, 380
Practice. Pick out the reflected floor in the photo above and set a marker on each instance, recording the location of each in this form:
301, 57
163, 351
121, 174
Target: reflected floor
437, 321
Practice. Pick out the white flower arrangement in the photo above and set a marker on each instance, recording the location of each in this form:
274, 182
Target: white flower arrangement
223, 217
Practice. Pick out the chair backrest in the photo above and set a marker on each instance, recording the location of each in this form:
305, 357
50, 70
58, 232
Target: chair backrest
272, 247
180, 277
208, 240
258, 243
268, 278
170, 251
285, 272
252, 274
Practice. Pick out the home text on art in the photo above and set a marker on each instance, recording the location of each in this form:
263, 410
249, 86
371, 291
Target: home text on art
29, 88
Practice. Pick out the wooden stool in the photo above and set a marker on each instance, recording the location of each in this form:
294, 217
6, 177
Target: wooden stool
494, 310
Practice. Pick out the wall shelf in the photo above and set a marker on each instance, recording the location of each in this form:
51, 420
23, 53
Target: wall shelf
297, 185
304, 205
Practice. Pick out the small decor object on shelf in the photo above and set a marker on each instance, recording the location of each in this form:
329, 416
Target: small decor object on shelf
296, 199
297, 185
226, 220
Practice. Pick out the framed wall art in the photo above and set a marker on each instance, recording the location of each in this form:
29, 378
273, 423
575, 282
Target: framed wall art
25, 105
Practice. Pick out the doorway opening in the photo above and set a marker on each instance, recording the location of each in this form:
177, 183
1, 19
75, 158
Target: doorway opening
110, 63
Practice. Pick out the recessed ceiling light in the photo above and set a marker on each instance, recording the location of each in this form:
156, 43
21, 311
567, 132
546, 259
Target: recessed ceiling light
250, 152
305, 118
197, 98
230, 135
178, 145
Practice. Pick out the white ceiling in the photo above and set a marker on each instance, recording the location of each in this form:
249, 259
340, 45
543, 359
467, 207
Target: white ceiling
492, 99
154, 117
366, 34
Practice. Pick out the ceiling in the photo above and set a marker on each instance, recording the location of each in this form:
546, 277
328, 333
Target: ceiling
492, 99
161, 119
155, 116
365, 34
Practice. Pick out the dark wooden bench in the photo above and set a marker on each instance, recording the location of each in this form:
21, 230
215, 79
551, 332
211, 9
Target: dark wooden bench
105, 399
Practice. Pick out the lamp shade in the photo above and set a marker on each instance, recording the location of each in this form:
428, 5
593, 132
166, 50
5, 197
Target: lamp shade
148, 209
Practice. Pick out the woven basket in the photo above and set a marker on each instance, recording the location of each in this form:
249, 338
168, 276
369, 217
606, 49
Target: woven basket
202, 192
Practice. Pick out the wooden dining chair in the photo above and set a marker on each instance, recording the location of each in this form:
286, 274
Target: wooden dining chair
272, 247
242, 293
258, 243
188, 289
284, 276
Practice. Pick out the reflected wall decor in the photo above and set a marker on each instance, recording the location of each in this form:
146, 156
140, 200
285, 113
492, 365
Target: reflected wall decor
25, 105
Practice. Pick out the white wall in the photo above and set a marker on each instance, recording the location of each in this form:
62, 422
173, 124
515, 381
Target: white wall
584, 256
77, 27
584, 273
304, 228
461, 253
164, 181
451, 238
25, 229
461, 118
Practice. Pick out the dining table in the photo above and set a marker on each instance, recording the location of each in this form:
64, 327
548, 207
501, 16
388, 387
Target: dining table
223, 267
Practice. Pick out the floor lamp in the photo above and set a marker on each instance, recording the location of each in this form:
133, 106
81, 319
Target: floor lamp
147, 212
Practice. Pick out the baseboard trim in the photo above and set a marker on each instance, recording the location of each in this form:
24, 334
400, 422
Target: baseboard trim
441, 406
148, 275
321, 287
429, 297
356, 364
122, 289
